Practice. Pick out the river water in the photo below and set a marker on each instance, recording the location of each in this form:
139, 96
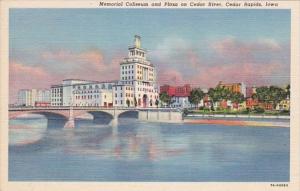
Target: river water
140, 151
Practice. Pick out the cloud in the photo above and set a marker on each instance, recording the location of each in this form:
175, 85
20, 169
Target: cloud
171, 77
259, 62
54, 66
178, 61
22, 76
89, 64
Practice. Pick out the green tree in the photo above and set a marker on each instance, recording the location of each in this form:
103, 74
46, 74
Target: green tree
237, 97
196, 96
165, 98
218, 94
272, 94
135, 102
288, 92
156, 103
128, 102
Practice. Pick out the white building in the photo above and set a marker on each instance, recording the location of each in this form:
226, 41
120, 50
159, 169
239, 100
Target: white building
137, 84
75, 92
93, 94
182, 102
32, 97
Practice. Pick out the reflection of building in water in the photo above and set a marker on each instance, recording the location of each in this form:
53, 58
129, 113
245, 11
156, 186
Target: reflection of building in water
34, 97
137, 85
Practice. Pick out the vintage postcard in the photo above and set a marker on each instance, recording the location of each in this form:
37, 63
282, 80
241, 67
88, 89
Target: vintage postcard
149, 95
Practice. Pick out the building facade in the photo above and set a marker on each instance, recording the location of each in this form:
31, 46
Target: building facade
33, 97
234, 87
137, 86
75, 92
179, 95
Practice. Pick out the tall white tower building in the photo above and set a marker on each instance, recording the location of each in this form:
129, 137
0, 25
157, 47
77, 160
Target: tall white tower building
137, 85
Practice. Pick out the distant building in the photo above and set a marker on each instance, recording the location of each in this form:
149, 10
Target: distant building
251, 103
179, 95
234, 87
32, 97
250, 91
177, 91
283, 105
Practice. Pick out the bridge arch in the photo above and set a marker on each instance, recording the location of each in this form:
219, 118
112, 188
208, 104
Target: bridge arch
130, 113
54, 119
101, 116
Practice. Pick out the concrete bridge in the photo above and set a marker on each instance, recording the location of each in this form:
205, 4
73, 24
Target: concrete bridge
69, 114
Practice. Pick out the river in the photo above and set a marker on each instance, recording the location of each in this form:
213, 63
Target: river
151, 152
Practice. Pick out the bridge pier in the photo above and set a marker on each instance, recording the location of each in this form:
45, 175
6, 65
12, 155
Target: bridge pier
114, 122
71, 121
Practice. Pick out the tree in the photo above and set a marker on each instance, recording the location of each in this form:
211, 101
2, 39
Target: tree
288, 93
165, 98
237, 97
156, 103
128, 102
272, 94
135, 102
218, 94
196, 96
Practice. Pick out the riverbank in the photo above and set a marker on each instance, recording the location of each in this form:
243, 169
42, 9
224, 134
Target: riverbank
257, 116
239, 120
228, 122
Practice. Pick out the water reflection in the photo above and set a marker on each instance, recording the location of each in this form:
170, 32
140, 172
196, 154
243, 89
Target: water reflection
136, 151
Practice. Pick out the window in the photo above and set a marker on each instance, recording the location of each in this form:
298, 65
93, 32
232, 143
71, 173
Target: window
116, 95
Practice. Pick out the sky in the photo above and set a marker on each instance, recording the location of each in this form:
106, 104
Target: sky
196, 46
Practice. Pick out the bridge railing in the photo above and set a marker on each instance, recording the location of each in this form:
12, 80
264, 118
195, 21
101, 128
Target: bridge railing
28, 108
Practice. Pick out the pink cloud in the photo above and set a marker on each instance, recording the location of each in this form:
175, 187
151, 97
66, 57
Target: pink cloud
249, 73
22, 76
171, 77
84, 65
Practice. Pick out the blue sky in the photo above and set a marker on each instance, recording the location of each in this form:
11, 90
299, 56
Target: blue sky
185, 45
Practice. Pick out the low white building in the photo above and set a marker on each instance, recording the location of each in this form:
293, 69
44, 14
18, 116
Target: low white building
98, 94
182, 102
75, 92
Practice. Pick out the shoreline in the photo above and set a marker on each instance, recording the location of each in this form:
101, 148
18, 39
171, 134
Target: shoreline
228, 122
238, 116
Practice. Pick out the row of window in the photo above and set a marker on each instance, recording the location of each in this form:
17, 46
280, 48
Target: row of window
84, 87
130, 71
56, 90
56, 104
85, 92
129, 77
125, 67
56, 100
87, 97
